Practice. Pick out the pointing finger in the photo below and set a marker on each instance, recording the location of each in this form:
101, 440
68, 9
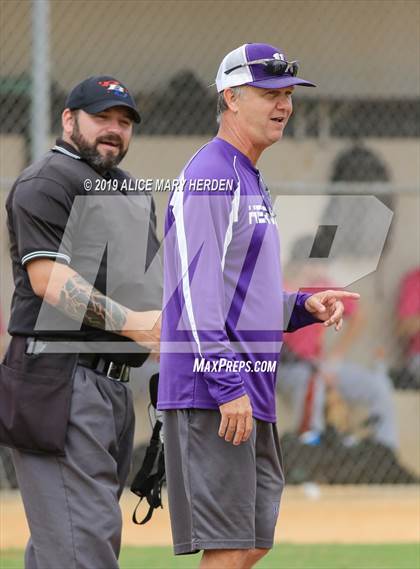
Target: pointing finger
341, 294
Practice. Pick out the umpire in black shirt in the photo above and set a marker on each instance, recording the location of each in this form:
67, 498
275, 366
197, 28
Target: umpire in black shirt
85, 309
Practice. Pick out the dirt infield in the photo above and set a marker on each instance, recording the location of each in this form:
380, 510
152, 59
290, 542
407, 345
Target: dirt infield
341, 514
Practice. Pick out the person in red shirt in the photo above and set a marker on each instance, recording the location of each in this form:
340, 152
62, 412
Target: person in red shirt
307, 367
408, 327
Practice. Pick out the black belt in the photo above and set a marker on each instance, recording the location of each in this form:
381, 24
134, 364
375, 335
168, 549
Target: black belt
113, 370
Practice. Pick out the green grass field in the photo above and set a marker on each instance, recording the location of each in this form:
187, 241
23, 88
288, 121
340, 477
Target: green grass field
387, 556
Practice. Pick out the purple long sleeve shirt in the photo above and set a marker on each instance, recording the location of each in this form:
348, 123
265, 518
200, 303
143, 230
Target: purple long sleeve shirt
224, 308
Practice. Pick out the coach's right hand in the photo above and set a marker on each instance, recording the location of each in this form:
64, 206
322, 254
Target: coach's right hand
236, 423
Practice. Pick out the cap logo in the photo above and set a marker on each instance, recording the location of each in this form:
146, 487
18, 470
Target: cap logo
278, 56
114, 87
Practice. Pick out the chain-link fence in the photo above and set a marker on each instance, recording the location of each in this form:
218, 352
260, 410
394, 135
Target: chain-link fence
357, 133
362, 55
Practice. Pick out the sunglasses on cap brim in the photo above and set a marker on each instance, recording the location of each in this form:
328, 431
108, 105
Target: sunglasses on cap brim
276, 67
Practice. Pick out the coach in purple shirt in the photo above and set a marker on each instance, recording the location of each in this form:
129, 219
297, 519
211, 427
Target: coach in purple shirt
223, 320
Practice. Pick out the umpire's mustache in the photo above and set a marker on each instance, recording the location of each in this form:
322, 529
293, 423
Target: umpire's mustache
111, 139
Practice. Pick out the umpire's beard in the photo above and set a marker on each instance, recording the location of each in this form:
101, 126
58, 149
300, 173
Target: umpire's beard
91, 155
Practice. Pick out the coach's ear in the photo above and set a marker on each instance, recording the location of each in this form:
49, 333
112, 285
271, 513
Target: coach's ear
231, 97
67, 120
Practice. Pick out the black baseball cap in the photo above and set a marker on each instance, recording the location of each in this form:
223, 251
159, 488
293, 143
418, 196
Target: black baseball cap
97, 94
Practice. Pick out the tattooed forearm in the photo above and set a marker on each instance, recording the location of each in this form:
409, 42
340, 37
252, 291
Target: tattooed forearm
86, 304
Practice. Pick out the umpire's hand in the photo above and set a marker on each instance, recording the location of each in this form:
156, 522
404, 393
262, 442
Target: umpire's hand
144, 328
236, 423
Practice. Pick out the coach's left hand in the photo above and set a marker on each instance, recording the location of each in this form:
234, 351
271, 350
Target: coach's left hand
327, 306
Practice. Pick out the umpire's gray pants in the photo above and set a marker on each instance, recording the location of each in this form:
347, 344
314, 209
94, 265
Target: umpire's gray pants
71, 502
356, 385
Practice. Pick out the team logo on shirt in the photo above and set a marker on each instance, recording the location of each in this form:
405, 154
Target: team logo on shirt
114, 87
258, 213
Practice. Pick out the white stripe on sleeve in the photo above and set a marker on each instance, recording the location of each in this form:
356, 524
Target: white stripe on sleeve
233, 217
178, 211
47, 254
